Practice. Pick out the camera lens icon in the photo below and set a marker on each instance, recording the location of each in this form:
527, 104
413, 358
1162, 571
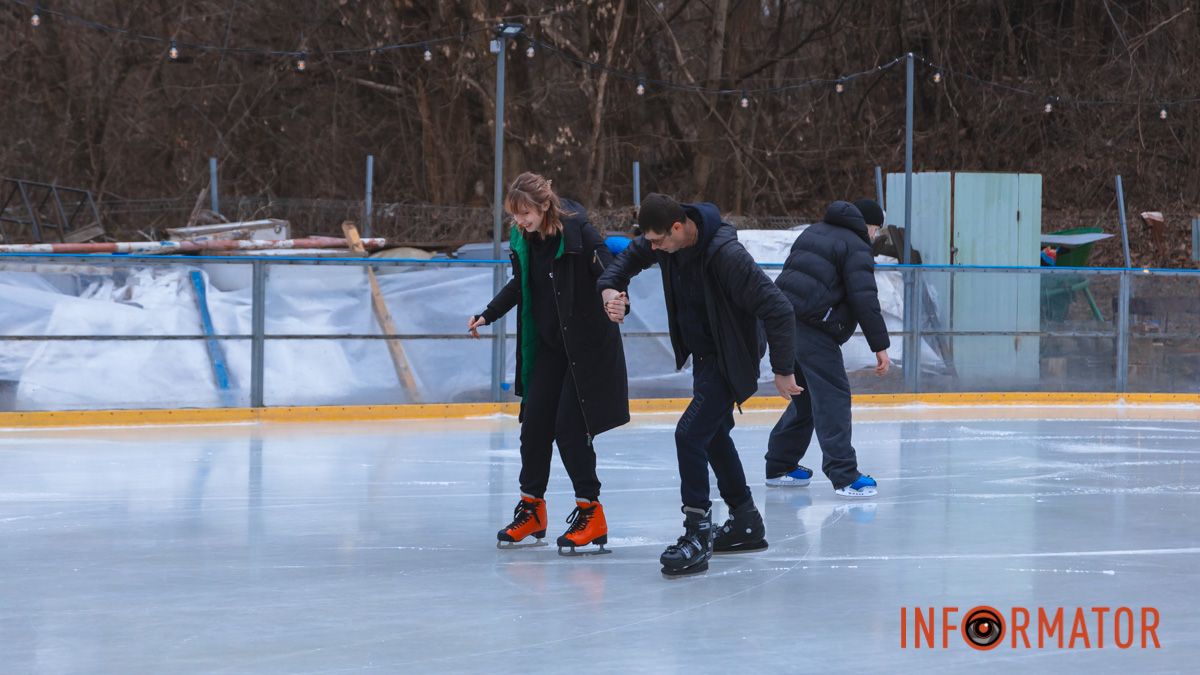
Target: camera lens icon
983, 628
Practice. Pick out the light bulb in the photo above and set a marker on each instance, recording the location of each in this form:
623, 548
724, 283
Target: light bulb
937, 77
745, 101
35, 20
173, 52
428, 54
529, 51
839, 87
302, 63
641, 89
1162, 114
1049, 107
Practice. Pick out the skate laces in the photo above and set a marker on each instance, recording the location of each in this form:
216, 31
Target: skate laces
579, 518
524, 511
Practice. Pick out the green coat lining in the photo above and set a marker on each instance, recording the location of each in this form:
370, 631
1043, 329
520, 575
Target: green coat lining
529, 332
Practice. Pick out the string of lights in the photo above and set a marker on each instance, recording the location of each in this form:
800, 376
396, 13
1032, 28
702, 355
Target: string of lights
1050, 100
644, 84
176, 48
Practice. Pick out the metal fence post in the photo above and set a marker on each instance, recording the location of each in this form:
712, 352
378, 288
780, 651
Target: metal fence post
368, 205
637, 184
912, 347
908, 159
258, 321
1196, 239
1123, 332
498, 332
911, 374
1125, 293
212, 185
1124, 225
917, 319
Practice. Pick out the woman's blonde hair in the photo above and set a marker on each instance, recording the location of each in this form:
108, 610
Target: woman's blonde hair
533, 191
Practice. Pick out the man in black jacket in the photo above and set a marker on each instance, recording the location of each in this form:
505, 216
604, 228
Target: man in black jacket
829, 277
716, 296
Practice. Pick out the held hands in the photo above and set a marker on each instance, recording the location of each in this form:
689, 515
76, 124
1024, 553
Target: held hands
616, 303
787, 387
474, 323
881, 358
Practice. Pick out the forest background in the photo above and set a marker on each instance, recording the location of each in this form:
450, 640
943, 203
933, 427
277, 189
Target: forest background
105, 108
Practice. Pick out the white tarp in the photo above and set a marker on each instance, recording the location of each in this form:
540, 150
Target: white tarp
301, 300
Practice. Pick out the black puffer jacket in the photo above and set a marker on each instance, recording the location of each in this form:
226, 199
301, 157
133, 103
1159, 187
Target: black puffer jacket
592, 341
830, 277
737, 296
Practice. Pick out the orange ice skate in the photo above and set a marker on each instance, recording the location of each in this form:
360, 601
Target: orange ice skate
529, 518
587, 527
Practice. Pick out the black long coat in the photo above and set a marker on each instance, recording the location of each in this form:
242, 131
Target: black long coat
593, 342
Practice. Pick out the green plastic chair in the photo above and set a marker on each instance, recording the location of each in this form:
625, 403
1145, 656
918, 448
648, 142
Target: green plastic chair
1058, 291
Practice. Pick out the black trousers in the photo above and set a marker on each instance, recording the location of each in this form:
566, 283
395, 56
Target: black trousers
552, 414
702, 438
823, 406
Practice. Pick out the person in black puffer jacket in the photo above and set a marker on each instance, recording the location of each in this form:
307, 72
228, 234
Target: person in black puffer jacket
718, 304
570, 370
829, 277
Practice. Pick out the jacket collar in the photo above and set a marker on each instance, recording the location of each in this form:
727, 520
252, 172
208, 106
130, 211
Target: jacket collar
573, 227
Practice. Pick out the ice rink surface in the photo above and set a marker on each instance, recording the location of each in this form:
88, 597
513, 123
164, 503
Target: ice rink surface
335, 548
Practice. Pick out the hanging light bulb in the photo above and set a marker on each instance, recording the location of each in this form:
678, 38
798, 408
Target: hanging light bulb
641, 88
840, 86
428, 54
1049, 107
173, 52
35, 20
302, 62
1162, 114
937, 77
745, 100
529, 51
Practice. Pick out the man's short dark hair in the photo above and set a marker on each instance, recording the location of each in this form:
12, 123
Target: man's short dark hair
658, 213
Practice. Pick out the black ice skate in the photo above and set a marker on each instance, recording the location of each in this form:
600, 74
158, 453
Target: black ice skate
743, 532
690, 553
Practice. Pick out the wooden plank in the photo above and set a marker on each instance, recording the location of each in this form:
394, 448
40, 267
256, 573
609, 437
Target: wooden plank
384, 317
83, 234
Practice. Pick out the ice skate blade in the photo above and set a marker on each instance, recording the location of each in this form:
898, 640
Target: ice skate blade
509, 545
577, 552
744, 548
858, 494
686, 572
774, 482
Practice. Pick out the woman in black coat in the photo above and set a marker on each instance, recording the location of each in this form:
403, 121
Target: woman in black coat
570, 371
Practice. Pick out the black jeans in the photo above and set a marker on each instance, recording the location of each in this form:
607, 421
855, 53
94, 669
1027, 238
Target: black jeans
552, 413
702, 438
824, 406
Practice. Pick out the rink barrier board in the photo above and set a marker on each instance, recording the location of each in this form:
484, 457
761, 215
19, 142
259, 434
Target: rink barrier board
1188, 406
